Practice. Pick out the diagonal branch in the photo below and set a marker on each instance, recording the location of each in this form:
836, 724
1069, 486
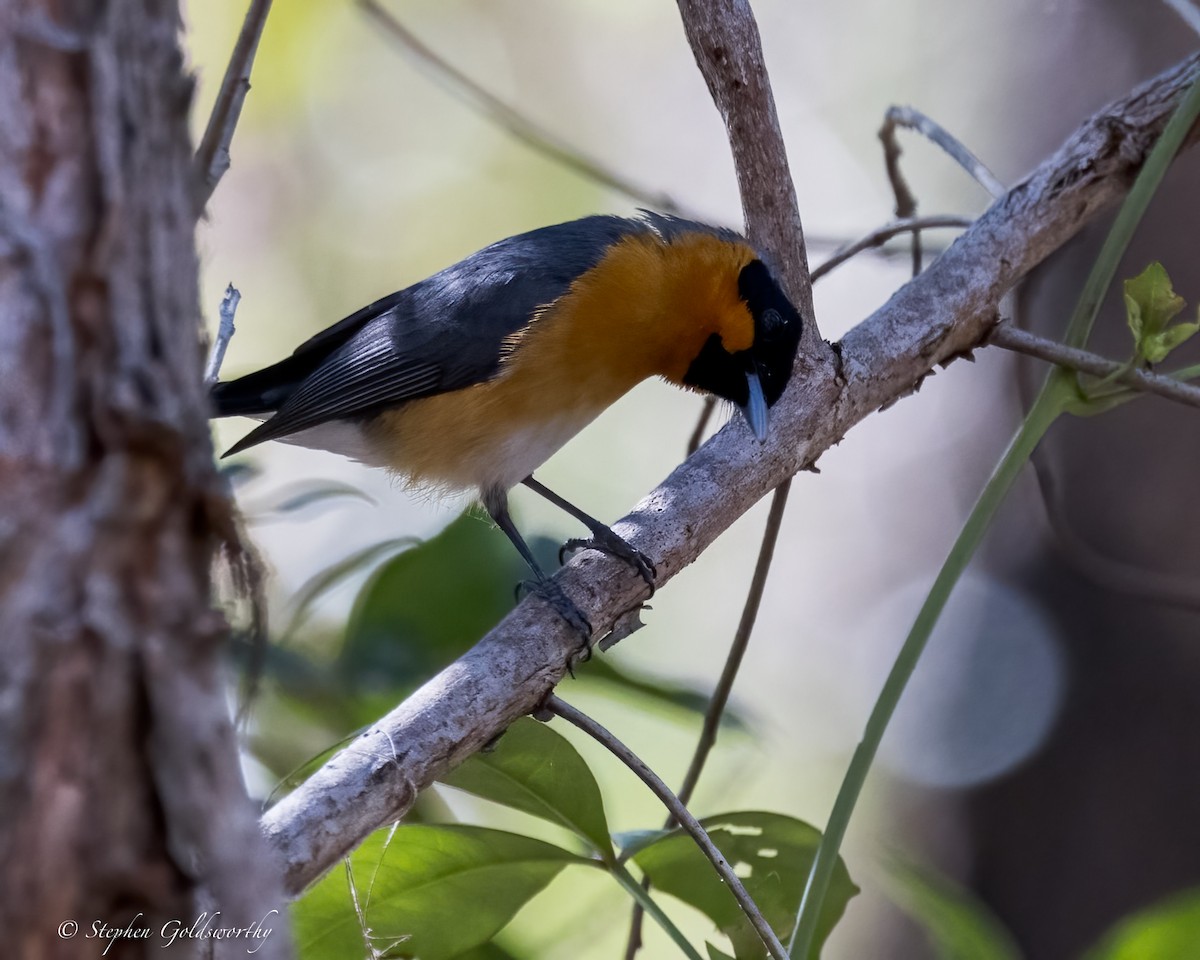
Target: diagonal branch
212, 156
949, 309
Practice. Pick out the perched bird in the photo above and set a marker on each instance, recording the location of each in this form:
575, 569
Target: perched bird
473, 377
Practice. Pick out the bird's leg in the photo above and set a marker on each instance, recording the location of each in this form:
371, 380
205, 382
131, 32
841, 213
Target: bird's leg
603, 538
495, 501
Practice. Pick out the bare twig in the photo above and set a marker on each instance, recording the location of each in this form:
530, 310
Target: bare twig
720, 696
529, 132
225, 332
933, 131
212, 156
1021, 341
906, 202
679, 813
881, 235
949, 309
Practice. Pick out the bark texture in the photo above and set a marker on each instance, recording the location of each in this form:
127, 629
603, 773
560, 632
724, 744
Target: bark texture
120, 791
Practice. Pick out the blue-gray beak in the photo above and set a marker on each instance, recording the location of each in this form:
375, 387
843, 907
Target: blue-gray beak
755, 408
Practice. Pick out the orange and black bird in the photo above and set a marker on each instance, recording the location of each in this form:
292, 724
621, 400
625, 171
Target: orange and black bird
472, 378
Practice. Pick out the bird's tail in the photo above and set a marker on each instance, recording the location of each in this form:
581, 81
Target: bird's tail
261, 392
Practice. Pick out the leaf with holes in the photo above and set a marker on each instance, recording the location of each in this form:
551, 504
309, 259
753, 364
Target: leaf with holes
772, 854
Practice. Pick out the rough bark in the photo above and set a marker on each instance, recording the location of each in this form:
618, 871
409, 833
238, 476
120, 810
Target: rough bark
120, 790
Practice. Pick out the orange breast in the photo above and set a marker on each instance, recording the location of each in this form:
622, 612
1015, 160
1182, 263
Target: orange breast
645, 310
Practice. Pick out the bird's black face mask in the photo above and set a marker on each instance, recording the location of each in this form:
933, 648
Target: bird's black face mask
754, 379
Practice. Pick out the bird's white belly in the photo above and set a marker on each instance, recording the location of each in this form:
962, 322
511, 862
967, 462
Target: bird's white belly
523, 451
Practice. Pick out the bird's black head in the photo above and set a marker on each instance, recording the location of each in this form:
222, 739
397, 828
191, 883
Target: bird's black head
753, 378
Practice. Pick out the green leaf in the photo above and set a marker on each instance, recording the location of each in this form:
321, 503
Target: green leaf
960, 927
715, 954
534, 769
1170, 930
1150, 306
428, 605
772, 854
630, 842
329, 578
428, 891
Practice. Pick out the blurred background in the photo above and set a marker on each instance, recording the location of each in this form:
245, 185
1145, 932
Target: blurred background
1047, 754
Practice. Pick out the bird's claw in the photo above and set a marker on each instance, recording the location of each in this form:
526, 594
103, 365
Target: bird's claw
605, 541
563, 605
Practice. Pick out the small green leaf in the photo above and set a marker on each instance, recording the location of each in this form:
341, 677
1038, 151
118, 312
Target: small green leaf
1150, 306
424, 891
630, 842
428, 605
770, 852
534, 769
715, 954
960, 927
323, 581
1169, 930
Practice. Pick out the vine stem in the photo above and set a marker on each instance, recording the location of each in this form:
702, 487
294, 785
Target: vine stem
1059, 393
642, 897
1047, 407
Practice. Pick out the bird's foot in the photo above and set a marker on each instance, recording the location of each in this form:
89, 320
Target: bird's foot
565, 607
604, 540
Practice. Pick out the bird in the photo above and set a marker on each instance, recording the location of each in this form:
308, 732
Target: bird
472, 378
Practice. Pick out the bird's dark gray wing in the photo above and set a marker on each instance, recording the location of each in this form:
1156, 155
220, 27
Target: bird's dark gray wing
442, 334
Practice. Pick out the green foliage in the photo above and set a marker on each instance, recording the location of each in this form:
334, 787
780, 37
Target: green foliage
438, 891
771, 853
958, 925
425, 605
533, 769
1167, 931
1150, 306
424, 891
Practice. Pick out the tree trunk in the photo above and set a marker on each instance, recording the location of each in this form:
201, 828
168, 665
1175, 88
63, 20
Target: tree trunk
121, 800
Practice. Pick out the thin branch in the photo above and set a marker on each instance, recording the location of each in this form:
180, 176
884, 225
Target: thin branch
529, 132
225, 332
741, 640
949, 309
933, 131
881, 235
720, 696
1021, 341
212, 156
906, 201
679, 813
